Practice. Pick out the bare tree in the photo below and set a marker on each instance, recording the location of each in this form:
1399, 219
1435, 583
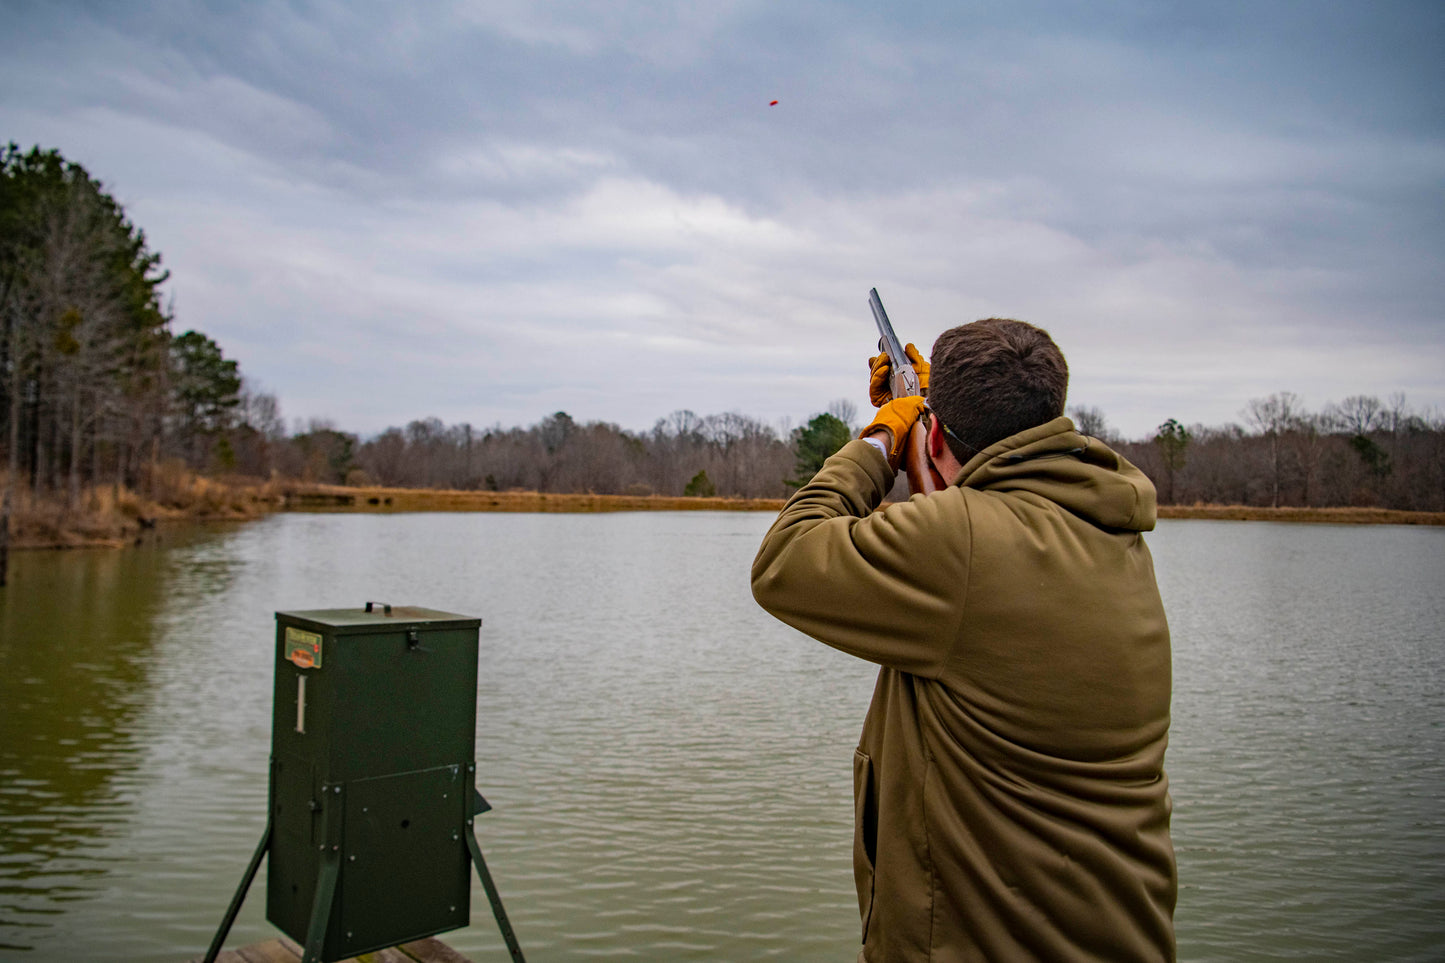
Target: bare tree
1397, 413
1357, 414
1271, 417
1090, 421
846, 412
1306, 440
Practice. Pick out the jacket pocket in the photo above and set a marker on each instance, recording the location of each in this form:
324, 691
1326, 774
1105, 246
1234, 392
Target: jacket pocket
865, 833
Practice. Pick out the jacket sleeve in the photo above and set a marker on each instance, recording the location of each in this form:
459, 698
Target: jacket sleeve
884, 586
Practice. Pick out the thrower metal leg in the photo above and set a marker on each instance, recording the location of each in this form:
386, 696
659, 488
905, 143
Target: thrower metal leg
321, 906
240, 896
493, 896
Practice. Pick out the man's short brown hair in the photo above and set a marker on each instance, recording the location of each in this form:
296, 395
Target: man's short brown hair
992, 379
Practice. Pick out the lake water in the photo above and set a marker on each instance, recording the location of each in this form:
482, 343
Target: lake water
671, 768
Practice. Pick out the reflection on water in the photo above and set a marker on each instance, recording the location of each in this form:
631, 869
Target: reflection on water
671, 768
74, 671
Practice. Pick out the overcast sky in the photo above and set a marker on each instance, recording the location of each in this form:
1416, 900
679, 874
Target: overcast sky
490, 211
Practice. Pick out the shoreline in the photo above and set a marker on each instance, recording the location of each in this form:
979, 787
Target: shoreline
376, 499
112, 517
110, 520
1330, 516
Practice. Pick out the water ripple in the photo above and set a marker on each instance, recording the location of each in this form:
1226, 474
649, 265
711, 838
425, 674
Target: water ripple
670, 769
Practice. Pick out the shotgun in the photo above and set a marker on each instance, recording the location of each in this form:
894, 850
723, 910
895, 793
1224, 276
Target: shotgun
923, 478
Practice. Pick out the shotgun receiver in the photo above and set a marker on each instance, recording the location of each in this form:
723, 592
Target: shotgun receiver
903, 382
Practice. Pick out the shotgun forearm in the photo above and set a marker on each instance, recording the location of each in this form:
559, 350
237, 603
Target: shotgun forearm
923, 478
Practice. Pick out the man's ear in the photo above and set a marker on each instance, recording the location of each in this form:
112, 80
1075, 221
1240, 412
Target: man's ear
937, 444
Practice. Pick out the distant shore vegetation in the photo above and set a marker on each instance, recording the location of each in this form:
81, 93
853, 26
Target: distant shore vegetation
109, 420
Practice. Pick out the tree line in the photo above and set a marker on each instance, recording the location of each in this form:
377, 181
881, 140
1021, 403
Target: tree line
96, 389
683, 454
1362, 451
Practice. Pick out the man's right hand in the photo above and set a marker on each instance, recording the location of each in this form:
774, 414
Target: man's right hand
896, 418
880, 390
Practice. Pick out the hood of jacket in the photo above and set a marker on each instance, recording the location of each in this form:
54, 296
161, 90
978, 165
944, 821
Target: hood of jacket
1080, 474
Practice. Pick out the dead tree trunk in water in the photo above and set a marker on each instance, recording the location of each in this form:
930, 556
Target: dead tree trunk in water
12, 447
12, 471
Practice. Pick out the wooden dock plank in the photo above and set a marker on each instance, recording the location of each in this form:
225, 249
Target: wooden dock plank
432, 950
388, 955
225, 956
283, 950
272, 951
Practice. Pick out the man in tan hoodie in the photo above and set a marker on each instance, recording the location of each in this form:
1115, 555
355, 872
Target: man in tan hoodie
1010, 795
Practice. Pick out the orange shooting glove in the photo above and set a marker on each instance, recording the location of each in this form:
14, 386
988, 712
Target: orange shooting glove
880, 391
898, 417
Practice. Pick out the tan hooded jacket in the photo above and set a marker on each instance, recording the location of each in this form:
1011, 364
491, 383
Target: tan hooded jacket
1011, 800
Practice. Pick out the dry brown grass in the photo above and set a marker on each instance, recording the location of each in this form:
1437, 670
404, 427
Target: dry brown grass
98, 517
108, 516
175, 491
374, 499
1338, 516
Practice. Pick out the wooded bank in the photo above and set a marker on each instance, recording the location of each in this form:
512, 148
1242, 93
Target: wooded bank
110, 518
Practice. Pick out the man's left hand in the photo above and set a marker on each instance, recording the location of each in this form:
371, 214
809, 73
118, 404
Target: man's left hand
880, 368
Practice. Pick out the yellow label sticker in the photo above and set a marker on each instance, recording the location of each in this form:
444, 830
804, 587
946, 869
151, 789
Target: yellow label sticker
303, 648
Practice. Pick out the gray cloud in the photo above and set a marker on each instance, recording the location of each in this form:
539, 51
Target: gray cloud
492, 211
